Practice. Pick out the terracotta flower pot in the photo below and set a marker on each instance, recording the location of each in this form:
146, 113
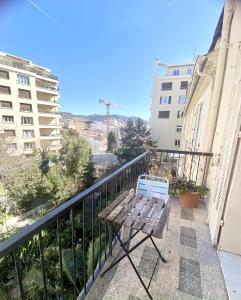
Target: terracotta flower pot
189, 199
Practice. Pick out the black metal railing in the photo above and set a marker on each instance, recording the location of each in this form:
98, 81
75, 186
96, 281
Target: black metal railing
189, 164
59, 256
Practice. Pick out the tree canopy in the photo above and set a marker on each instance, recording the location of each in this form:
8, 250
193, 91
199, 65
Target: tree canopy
111, 142
135, 139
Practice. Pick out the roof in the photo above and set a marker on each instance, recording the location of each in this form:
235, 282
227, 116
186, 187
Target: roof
217, 33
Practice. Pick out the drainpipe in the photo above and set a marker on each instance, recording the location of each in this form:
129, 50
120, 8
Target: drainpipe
220, 72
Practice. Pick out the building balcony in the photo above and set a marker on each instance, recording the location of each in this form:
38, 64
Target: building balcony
48, 102
28, 69
47, 89
50, 126
50, 114
50, 136
80, 241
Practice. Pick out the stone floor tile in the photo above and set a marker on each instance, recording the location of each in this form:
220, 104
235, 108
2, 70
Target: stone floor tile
188, 237
190, 277
187, 214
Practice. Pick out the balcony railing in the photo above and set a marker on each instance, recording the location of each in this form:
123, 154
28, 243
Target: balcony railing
75, 233
27, 68
78, 219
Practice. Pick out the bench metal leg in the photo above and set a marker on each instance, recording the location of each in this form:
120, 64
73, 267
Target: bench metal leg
134, 267
116, 261
162, 258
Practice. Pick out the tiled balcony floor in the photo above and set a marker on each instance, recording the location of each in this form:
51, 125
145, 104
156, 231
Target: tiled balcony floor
192, 272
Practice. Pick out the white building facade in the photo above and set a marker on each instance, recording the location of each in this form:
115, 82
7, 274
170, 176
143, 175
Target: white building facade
168, 101
29, 106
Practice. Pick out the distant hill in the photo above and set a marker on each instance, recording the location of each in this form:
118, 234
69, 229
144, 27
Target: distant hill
95, 117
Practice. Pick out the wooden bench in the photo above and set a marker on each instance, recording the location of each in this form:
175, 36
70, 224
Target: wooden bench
138, 213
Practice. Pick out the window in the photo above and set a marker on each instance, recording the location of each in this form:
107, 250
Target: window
189, 71
12, 146
28, 133
6, 104
29, 145
166, 86
164, 114
5, 90
184, 85
9, 132
18, 65
180, 114
177, 143
25, 107
4, 74
178, 128
175, 72
7, 119
24, 94
23, 79
165, 99
182, 99
27, 120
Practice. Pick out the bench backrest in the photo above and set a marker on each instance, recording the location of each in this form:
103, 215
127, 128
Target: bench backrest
152, 185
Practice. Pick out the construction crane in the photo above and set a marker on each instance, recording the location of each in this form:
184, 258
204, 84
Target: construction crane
108, 104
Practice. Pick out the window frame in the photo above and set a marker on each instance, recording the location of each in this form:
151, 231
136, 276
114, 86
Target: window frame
9, 89
164, 111
168, 98
166, 89
7, 116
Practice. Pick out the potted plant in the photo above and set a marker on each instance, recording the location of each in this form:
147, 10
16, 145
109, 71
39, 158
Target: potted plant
188, 192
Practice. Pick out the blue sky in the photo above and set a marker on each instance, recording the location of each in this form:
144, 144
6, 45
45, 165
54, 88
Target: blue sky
106, 49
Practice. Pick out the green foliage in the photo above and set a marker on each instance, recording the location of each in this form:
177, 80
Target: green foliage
76, 157
181, 186
68, 263
111, 142
28, 187
135, 139
99, 245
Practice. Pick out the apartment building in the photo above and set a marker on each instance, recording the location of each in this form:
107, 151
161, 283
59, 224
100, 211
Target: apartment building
29, 106
168, 101
213, 124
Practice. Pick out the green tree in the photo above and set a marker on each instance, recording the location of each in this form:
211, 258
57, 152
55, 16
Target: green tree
135, 139
111, 142
76, 157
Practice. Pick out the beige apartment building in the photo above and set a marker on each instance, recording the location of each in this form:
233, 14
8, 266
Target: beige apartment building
29, 107
213, 124
168, 101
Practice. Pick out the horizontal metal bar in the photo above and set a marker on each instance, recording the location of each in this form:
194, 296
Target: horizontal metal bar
28, 231
184, 152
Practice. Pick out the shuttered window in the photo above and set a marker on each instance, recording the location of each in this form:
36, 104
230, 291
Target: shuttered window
5, 89
6, 104
25, 107
24, 94
9, 132
4, 74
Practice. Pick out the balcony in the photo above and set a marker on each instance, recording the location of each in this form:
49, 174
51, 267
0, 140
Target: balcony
50, 136
47, 88
47, 102
27, 68
50, 114
192, 270
50, 126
